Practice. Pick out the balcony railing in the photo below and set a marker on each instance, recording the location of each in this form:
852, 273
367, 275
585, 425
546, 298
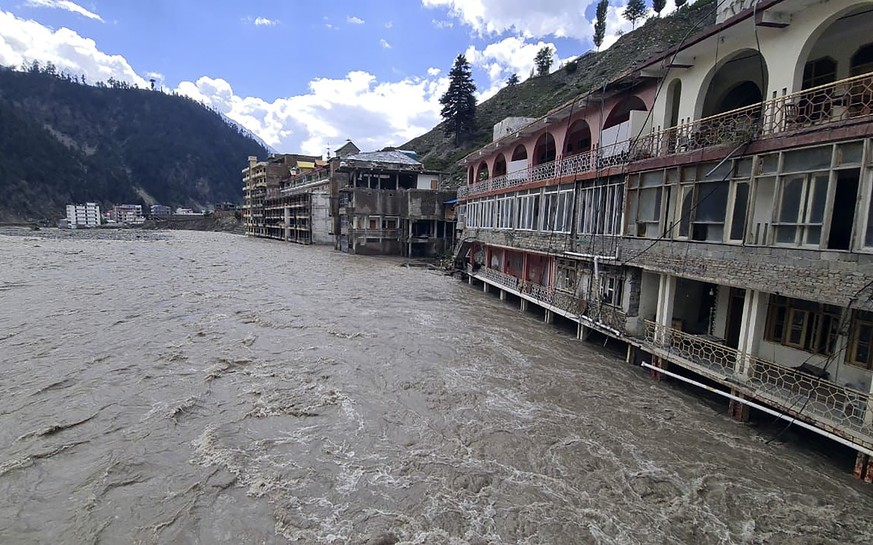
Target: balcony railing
832, 407
843, 100
604, 315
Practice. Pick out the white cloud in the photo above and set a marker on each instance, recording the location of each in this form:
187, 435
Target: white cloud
66, 5
354, 20
384, 43
374, 114
559, 18
439, 23
23, 40
263, 21
513, 55
433, 71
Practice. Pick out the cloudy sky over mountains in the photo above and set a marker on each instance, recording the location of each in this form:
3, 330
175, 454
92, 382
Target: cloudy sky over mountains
303, 75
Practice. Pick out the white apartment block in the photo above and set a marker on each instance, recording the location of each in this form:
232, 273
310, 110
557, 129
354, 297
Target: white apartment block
83, 215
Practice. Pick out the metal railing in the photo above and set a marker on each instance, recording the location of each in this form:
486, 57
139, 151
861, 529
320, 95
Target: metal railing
843, 100
605, 315
830, 405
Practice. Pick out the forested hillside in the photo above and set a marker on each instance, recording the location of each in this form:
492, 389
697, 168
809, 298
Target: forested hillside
62, 142
537, 95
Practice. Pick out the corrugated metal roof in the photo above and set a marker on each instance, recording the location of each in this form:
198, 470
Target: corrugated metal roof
395, 157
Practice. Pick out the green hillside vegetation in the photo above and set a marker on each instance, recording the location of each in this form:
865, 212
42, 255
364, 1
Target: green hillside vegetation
538, 95
63, 142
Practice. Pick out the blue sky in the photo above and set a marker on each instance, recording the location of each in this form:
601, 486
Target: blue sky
301, 74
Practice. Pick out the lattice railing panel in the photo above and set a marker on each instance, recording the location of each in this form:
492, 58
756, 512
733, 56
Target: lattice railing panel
840, 406
837, 406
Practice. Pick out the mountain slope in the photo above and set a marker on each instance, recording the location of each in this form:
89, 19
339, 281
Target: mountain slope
536, 96
63, 142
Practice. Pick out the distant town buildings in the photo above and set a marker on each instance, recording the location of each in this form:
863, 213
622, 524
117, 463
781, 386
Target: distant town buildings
160, 210
83, 215
129, 214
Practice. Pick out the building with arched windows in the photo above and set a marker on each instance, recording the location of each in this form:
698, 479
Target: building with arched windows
712, 208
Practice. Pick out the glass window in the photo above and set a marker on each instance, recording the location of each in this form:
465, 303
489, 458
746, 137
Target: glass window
804, 325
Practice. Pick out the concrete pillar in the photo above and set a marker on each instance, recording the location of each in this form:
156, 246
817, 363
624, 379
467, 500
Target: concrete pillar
470, 279
738, 411
664, 314
485, 287
503, 295
660, 363
287, 223
754, 319
549, 317
864, 468
582, 332
523, 304
631, 355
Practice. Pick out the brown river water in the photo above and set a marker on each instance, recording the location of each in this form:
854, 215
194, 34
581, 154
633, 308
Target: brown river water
183, 387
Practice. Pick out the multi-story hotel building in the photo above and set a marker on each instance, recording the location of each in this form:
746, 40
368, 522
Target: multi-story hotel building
711, 208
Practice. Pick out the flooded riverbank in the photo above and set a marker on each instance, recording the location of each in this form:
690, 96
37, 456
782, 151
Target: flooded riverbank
191, 387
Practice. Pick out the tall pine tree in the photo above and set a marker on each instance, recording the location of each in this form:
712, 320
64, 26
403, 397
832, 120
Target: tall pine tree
600, 23
543, 60
459, 102
634, 11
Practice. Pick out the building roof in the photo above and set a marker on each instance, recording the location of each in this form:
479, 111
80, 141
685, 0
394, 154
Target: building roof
392, 157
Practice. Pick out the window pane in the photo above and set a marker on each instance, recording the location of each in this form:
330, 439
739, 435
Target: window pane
868, 238
807, 159
818, 197
712, 202
738, 220
796, 327
650, 204
813, 235
791, 191
687, 203
786, 234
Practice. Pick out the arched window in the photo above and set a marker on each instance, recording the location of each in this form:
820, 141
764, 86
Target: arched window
819, 72
482, 173
519, 153
545, 150
578, 138
862, 60
500, 165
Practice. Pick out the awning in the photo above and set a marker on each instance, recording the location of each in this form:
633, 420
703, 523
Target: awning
305, 164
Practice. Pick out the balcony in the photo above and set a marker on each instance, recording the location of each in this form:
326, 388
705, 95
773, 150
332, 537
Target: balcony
838, 409
825, 105
561, 302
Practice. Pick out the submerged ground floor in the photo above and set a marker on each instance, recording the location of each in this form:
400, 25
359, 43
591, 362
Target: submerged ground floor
803, 361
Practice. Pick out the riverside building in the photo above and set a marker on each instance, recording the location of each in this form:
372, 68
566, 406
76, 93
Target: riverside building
83, 215
710, 208
378, 203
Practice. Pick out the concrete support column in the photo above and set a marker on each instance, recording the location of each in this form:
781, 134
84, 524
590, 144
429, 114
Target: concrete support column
631, 355
864, 468
754, 318
582, 332
549, 317
485, 287
738, 411
523, 305
660, 363
470, 279
503, 295
287, 224
664, 313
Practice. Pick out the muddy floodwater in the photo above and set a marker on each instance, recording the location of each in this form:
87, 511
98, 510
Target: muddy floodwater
208, 388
